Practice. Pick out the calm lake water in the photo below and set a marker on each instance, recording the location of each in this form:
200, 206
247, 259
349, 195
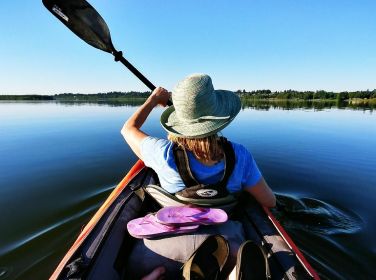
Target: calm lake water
58, 162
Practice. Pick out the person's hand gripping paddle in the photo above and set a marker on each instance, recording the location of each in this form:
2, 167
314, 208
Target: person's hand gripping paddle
81, 18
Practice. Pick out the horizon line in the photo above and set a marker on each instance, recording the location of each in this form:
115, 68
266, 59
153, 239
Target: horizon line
238, 90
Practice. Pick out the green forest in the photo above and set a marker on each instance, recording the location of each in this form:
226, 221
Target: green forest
108, 96
308, 95
117, 96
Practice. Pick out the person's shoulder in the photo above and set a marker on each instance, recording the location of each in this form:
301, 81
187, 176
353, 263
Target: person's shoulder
238, 147
155, 141
242, 154
152, 145
155, 151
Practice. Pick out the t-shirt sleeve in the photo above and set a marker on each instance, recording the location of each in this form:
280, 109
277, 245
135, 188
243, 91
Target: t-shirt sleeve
153, 150
252, 174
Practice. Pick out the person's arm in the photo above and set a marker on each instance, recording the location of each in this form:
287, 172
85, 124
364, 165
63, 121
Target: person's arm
263, 194
131, 129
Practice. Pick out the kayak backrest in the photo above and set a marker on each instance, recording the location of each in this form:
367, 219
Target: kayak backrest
164, 198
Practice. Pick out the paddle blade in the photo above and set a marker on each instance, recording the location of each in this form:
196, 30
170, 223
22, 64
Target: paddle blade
80, 17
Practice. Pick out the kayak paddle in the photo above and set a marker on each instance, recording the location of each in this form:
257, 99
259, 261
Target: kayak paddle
83, 20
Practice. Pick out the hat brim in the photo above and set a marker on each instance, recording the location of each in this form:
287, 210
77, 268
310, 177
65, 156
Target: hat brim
228, 105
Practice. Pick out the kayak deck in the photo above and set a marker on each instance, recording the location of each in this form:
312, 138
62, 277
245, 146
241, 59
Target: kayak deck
102, 249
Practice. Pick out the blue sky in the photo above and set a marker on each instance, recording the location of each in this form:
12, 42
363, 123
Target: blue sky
242, 44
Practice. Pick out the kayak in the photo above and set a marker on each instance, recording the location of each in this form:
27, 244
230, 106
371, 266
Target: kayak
101, 249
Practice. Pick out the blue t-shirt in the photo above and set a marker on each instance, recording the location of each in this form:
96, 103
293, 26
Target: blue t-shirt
158, 154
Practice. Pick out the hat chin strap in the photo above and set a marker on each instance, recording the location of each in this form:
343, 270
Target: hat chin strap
198, 120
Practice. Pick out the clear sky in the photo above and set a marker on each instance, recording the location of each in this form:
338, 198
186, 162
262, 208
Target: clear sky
242, 44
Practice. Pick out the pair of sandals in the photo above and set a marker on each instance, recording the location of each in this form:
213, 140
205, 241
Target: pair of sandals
175, 220
209, 259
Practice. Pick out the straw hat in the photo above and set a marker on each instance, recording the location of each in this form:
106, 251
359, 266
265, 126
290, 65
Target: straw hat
198, 109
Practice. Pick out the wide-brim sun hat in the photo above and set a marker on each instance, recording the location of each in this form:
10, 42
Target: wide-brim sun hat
199, 110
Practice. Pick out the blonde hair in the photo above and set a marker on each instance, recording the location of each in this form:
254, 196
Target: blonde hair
207, 148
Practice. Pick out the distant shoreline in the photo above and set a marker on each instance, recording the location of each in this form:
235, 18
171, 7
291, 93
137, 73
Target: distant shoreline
258, 95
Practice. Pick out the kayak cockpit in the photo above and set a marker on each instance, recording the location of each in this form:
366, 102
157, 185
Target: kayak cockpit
104, 252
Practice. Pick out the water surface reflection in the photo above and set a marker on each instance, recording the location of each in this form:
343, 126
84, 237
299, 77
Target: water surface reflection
59, 161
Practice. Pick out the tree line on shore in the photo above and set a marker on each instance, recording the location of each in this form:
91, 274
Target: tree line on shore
256, 94
113, 95
307, 95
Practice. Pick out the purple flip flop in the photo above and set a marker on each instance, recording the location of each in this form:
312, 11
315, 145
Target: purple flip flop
188, 215
148, 227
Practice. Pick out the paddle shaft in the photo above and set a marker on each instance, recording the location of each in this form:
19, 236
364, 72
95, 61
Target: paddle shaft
119, 57
140, 76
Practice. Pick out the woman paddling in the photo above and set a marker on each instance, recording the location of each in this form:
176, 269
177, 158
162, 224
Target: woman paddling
193, 123
198, 114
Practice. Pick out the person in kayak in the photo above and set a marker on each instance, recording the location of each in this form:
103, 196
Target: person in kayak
193, 123
194, 152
